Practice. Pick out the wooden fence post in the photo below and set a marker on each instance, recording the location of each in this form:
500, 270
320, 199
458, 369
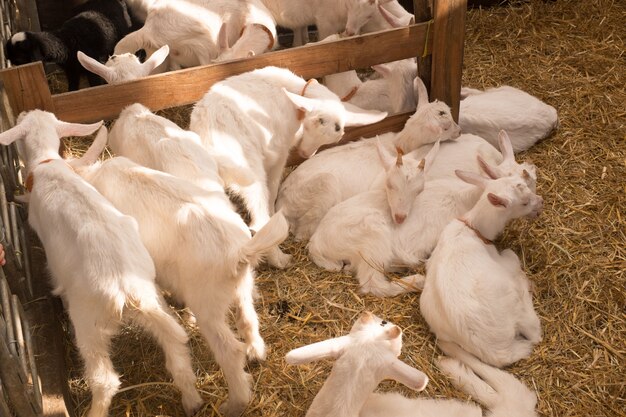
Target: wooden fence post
27, 88
424, 63
448, 40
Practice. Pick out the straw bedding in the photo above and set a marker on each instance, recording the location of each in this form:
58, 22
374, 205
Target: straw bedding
571, 55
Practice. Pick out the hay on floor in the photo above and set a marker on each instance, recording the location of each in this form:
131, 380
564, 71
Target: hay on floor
571, 55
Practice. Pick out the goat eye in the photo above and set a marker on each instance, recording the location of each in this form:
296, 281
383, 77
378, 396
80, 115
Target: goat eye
337, 127
322, 121
382, 323
442, 113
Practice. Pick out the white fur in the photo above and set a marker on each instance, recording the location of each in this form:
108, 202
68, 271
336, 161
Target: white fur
475, 295
191, 29
238, 119
124, 67
525, 118
158, 143
502, 393
342, 172
363, 358
362, 229
203, 255
330, 16
97, 262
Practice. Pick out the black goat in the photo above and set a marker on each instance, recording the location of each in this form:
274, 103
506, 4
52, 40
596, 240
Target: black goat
95, 30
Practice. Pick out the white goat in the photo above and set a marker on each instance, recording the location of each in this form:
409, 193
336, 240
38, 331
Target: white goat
361, 229
393, 92
474, 295
342, 172
364, 358
124, 67
330, 16
203, 255
525, 118
235, 119
368, 354
158, 143
191, 29
97, 261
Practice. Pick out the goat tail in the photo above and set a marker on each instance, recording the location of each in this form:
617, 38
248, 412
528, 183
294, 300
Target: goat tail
132, 42
270, 235
496, 389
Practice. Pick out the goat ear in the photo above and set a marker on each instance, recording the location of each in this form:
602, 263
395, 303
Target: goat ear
406, 375
94, 66
366, 317
75, 129
384, 1
156, 59
16, 132
497, 200
421, 94
390, 17
331, 348
93, 153
506, 147
393, 332
301, 103
491, 171
222, 38
356, 116
431, 155
386, 159
472, 178
384, 70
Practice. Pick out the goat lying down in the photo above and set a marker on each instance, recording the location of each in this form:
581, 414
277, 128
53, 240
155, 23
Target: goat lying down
203, 253
339, 173
98, 264
369, 354
473, 294
361, 233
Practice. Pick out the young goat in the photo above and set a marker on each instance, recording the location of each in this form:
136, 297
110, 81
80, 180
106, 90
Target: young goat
337, 174
191, 29
234, 118
361, 229
364, 358
203, 255
525, 118
124, 67
158, 143
393, 92
97, 261
368, 354
330, 16
474, 295
96, 30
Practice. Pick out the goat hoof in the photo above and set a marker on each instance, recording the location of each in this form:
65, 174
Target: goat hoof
256, 351
193, 405
279, 260
232, 409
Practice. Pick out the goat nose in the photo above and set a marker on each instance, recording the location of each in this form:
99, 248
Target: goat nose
399, 218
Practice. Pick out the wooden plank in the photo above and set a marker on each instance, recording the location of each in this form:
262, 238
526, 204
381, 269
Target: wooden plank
187, 86
27, 16
393, 123
448, 39
27, 88
424, 63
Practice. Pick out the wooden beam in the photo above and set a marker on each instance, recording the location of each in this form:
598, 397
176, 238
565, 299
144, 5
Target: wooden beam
424, 63
187, 86
27, 88
393, 123
448, 39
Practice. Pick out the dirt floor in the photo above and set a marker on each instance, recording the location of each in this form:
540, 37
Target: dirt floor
571, 55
